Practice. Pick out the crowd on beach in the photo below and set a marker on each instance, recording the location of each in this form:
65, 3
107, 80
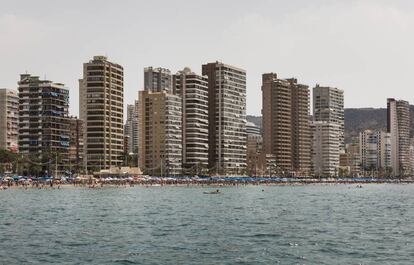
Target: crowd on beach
91, 182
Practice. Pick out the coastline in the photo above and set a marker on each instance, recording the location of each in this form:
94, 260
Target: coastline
199, 185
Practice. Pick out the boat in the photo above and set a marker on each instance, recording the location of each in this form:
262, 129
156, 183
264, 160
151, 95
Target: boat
212, 192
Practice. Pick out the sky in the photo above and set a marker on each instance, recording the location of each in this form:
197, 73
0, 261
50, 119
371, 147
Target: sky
365, 48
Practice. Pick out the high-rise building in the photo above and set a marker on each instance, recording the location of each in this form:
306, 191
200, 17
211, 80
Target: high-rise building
76, 144
301, 133
9, 119
325, 148
375, 150
398, 125
101, 109
286, 131
43, 118
160, 133
328, 105
131, 128
157, 79
193, 90
227, 117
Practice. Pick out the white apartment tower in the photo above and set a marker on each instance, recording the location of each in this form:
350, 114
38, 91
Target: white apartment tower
325, 148
193, 90
9, 119
131, 128
328, 106
375, 150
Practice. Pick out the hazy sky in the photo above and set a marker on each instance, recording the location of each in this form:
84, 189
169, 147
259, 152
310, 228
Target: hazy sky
365, 48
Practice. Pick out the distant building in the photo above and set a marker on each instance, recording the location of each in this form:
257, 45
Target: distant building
193, 90
286, 131
398, 125
227, 117
9, 119
157, 79
352, 151
160, 129
43, 118
328, 106
254, 149
375, 150
101, 108
76, 144
131, 128
325, 148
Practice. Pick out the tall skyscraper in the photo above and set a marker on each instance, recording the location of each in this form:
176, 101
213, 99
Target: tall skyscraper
328, 105
325, 148
131, 128
398, 125
160, 133
101, 108
193, 90
43, 117
286, 131
157, 79
375, 150
9, 119
227, 117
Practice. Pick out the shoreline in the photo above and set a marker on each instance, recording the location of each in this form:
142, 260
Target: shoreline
192, 185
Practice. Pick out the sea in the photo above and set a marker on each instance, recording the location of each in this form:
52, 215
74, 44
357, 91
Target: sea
311, 224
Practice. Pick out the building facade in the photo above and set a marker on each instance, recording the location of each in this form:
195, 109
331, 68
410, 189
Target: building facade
76, 144
157, 79
286, 124
398, 125
9, 120
328, 105
131, 128
375, 150
160, 129
101, 109
193, 90
254, 149
43, 118
227, 117
325, 148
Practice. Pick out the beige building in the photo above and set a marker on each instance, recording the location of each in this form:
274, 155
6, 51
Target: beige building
193, 90
9, 119
286, 131
160, 133
101, 108
227, 117
398, 125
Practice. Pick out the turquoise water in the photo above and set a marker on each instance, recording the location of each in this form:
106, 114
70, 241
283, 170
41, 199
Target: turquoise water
335, 224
